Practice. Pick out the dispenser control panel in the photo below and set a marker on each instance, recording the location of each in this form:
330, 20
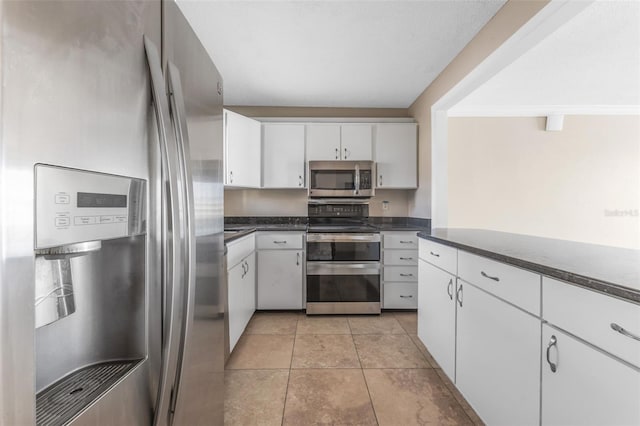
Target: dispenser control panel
75, 206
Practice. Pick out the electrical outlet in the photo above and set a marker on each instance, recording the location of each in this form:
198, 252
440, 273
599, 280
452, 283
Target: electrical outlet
385, 205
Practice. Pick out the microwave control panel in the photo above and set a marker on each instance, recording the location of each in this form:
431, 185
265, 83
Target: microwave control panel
365, 179
74, 206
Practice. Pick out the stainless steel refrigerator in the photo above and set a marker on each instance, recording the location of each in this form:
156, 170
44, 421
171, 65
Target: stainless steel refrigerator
111, 295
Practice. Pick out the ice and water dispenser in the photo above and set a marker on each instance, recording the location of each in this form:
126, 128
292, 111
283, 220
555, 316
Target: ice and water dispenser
90, 286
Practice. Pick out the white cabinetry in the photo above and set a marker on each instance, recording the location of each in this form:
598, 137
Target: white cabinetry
497, 362
400, 270
241, 151
280, 270
330, 142
283, 155
396, 155
241, 285
588, 386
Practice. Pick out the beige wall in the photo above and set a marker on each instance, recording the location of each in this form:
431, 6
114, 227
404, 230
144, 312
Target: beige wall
509, 174
293, 202
513, 15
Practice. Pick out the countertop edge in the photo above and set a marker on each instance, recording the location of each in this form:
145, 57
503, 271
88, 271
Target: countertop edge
600, 286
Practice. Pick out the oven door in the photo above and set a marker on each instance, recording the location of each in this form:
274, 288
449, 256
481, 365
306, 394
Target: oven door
347, 247
327, 182
343, 288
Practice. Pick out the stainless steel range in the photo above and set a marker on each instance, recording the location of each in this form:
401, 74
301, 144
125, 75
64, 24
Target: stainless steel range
343, 259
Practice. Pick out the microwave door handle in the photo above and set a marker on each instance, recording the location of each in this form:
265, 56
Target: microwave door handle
357, 180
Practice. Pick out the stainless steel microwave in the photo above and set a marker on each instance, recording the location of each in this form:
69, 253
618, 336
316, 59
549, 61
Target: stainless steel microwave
341, 178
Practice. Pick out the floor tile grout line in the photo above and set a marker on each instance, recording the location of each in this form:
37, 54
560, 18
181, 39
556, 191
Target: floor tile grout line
286, 391
373, 408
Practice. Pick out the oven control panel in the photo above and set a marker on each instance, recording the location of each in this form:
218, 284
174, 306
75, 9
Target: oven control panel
357, 210
75, 206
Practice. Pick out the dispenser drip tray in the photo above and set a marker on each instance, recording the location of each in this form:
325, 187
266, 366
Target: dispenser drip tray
61, 401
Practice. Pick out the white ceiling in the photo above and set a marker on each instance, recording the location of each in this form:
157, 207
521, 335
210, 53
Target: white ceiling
333, 53
589, 65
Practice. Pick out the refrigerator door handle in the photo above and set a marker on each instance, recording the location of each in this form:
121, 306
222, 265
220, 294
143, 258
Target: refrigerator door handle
179, 114
172, 273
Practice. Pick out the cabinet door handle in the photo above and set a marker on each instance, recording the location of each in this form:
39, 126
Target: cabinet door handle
299, 180
552, 342
484, 274
245, 262
406, 258
337, 154
280, 242
380, 181
244, 270
406, 275
434, 254
230, 176
297, 259
450, 289
346, 154
459, 295
406, 297
624, 332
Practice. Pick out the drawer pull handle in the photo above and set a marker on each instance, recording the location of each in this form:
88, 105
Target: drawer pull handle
406, 242
552, 342
484, 274
280, 242
406, 258
450, 289
406, 275
406, 297
434, 254
624, 332
459, 295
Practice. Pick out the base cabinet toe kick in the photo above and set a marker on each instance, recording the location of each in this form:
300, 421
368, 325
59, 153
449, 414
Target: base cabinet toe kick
527, 349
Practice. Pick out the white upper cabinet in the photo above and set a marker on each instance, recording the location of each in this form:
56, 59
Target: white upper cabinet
241, 151
330, 142
355, 142
323, 142
283, 163
396, 155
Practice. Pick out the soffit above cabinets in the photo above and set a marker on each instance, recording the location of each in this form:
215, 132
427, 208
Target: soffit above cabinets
333, 53
590, 65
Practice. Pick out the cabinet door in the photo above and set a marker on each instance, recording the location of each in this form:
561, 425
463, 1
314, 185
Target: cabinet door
283, 156
497, 361
323, 142
242, 151
396, 155
280, 279
356, 142
235, 282
437, 315
588, 387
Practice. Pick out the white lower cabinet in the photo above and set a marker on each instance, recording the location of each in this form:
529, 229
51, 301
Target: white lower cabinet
280, 279
437, 315
241, 284
588, 386
497, 362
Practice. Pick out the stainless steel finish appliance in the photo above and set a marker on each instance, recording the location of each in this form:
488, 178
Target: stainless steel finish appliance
112, 310
343, 259
352, 179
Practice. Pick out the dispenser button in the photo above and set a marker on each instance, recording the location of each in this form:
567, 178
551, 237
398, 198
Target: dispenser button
62, 221
84, 220
121, 218
106, 219
62, 198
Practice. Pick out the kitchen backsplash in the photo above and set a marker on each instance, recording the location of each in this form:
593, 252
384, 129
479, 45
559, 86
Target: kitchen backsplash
293, 202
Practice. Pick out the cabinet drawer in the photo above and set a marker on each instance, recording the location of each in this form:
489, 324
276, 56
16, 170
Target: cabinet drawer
439, 255
282, 240
401, 273
400, 240
400, 257
400, 296
239, 249
515, 285
589, 315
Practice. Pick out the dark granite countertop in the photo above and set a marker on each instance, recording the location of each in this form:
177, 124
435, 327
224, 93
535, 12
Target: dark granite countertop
610, 270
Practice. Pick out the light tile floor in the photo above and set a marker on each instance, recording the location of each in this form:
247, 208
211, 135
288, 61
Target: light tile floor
291, 369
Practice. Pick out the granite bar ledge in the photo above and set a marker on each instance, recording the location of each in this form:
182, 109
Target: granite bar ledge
610, 270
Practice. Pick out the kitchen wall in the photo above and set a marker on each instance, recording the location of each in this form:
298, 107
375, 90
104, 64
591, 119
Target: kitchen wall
293, 202
580, 184
512, 16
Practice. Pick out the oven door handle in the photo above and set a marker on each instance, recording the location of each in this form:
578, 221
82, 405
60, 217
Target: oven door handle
343, 238
333, 268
